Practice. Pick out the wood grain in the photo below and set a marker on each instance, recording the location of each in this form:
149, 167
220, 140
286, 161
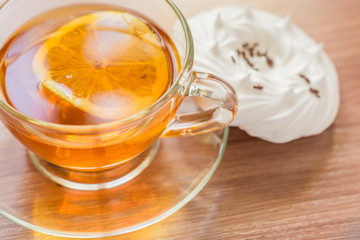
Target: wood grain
306, 189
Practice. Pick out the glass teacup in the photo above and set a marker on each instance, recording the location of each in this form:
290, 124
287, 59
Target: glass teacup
91, 157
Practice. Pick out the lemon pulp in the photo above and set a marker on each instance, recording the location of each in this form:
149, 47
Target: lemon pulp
109, 64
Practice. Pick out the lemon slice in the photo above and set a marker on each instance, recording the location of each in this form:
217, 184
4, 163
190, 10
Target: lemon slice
108, 64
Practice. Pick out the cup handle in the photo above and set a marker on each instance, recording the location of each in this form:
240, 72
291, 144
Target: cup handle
222, 95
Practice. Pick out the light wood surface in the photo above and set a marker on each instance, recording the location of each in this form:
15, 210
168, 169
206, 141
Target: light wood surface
306, 189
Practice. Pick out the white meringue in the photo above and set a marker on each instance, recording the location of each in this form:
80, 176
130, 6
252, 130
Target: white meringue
291, 92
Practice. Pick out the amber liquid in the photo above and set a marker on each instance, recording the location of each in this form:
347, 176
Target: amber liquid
112, 49
137, 82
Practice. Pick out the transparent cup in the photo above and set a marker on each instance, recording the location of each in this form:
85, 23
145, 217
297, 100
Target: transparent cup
102, 156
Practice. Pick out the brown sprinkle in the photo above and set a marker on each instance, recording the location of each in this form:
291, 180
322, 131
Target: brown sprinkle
238, 52
315, 92
251, 51
305, 78
258, 87
260, 54
269, 61
247, 60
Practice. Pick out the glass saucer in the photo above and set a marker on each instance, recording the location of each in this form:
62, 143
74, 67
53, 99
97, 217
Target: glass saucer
181, 168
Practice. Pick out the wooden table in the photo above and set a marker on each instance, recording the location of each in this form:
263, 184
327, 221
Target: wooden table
306, 189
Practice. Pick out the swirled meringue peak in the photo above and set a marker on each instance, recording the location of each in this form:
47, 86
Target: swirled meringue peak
286, 84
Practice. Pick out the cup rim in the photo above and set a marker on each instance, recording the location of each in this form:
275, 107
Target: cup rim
186, 68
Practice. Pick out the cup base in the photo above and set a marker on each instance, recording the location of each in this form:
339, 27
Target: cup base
180, 169
97, 180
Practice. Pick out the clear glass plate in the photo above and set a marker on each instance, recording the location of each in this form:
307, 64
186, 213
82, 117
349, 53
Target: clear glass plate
181, 168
